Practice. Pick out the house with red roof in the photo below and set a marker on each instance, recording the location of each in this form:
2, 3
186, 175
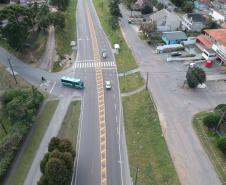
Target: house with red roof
215, 39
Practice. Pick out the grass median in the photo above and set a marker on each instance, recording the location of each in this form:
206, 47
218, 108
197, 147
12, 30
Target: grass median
147, 149
41, 124
130, 82
125, 60
209, 141
69, 128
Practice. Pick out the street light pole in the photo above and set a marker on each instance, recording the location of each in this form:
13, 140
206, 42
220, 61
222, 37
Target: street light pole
11, 67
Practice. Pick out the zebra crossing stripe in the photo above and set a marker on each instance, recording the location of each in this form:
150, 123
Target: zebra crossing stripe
93, 64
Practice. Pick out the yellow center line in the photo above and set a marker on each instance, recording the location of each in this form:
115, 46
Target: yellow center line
100, 96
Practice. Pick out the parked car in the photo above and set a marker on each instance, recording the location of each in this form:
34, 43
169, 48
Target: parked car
104, 53
175, 54
108, 84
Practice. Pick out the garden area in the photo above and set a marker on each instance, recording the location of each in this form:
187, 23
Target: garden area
210, 128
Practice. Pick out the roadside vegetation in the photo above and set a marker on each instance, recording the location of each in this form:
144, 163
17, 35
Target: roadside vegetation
18, 112
68, 33
210, 128
40, 126
7, 81
57, 164
125, 60
147, 150
130, 82
31, 24
69, 128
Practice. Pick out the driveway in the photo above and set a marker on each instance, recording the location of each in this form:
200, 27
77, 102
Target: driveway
176, 106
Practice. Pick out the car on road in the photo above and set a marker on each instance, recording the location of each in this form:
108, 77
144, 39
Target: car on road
104, 53
108, 84
175, 54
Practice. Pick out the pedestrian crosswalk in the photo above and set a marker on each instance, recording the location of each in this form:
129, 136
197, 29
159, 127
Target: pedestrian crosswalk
82, 65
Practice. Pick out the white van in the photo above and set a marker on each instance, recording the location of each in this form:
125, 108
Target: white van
209, 54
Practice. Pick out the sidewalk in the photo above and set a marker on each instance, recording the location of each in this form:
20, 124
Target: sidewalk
34, 172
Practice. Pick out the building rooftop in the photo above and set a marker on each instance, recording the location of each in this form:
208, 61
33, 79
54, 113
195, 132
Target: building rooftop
218, 34
175, 35
196, 17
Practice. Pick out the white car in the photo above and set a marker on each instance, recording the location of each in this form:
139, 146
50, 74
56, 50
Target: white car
107, 84
104, 53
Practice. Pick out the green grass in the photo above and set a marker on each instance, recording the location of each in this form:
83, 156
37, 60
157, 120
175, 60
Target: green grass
65, 36
7, 81
209, 141
56, 66
146, 145
69, 128
125, 60
41, 125
131, 82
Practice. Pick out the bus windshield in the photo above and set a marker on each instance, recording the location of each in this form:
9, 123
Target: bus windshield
72, 82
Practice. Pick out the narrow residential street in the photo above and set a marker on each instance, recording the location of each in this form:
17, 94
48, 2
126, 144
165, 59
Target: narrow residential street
176, 106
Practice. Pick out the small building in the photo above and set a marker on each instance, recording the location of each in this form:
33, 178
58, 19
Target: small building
174, 37
193, 22
165, 20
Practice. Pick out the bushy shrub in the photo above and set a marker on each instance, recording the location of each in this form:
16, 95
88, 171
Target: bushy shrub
220, 108
211, 120
57, 164
147, 9
222, 144
8, 148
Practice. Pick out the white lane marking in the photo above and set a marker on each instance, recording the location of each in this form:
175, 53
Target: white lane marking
114, 96
115, 107
52, 88
79, 140
116, 118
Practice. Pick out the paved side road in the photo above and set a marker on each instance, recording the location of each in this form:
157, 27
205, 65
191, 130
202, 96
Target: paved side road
34, 172
176, 106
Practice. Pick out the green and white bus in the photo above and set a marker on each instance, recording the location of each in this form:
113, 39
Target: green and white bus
72, 82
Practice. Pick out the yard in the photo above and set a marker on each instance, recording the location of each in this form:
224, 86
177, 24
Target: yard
209, 142
147, 149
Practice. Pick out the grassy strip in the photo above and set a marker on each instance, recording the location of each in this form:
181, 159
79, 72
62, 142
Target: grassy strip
66, 35
69, 128
209, 142
7, 81
131, 82
42, 123
125, 60
147, 149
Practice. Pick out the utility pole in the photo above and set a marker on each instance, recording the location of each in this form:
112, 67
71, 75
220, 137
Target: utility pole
147, 81
136, 176
11, 67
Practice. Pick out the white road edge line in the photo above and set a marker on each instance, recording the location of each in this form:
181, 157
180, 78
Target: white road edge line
52, 87
78, 144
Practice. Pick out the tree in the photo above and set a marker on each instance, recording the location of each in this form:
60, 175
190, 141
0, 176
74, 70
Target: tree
44, 162
56, 172
211, 24
222, 144
65, 146
211, 120
57, 19
195, 75
188, 7
114, 9
53, 144
148, 27
178, 3
147, 9
61, 4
